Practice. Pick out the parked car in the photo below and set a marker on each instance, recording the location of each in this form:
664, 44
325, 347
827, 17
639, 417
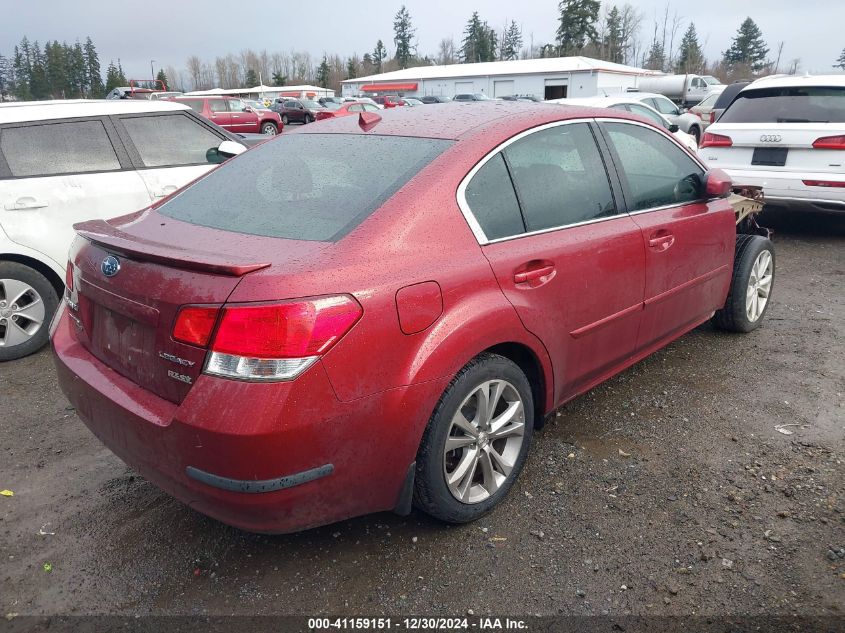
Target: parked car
704, 110
522, 98
392, 337
429, 99
388, 101
618, 102
354, 107
726, 97
66, 161
787, 135
326, 100
478, 96
234, 114
687, 122
296, 110
410, 101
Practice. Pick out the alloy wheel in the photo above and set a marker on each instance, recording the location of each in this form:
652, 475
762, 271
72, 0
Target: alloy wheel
759, 286
484, 441
21, 312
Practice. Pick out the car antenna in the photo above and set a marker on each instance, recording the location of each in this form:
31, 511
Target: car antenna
368, 120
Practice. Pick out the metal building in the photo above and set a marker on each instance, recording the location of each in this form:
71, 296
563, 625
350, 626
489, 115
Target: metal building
547, 78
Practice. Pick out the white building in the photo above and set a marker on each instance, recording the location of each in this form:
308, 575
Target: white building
547, 78
269, 92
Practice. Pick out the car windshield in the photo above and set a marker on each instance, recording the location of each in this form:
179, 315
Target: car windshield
791, 104
331, 105
311, 104
481, 97
304, 186
710, 80
708, 102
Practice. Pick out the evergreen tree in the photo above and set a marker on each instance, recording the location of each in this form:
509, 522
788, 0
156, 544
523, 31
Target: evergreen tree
403, 33
479, 43
22, 67
351, 68
577, 25
323, 73
690, 56
512, 43
77, 72
614, 50
656, 58
114, 77
748, 47
251, 78
7, 78
840, 63
162, 77
39, 84
92, 66
57, 70
279, 79
379, 55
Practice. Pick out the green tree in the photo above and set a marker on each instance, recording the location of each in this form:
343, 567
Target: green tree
114, 76
840, 63
690, 56
92, 65
748, 47
251, 78
22, 68
7, 78
512, 42
162, 77
39, 83
351, 68
403, 33
577, 25
279, 79
656, 58
77, 73
323, 72
57, 69
379, 55
612, 43
479, 43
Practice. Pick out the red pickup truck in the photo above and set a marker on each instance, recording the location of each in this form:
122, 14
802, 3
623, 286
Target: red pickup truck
234, 115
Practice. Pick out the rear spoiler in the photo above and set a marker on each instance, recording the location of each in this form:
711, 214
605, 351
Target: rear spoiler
104, 234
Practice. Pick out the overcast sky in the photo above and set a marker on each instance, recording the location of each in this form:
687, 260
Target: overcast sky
171, 30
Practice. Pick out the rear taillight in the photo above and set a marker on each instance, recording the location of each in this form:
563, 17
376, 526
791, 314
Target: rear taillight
824, 183
830, 142
267, 341
194, 324
712, 116
715, 140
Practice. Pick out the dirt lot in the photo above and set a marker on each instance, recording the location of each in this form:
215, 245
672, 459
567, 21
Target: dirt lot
668, 490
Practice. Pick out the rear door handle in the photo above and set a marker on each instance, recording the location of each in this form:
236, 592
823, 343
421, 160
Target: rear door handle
533, 273
661, 240
25, 203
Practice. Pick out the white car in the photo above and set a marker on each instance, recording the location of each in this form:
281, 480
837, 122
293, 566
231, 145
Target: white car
634, 107
787, 135
63, 162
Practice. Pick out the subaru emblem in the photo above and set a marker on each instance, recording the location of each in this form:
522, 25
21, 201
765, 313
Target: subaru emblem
110, 266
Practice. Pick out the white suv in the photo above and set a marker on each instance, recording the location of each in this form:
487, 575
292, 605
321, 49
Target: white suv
62, 162
787, 135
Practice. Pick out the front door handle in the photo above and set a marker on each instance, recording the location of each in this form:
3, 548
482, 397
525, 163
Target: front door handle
25, 203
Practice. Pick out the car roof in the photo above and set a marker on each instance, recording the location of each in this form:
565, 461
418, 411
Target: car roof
22, 111
790, 81
458, 121
636, 94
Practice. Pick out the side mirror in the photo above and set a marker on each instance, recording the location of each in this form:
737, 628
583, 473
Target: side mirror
224, 151
718, 184
673, 127
248, 109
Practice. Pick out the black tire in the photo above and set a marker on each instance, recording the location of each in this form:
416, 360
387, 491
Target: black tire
269, 128
733, 317
696, 133
308, 119
431, 491
284, 119
47, 293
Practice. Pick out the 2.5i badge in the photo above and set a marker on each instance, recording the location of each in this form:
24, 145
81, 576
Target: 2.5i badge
180, 377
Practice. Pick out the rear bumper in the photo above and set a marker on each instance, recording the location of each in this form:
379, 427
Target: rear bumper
270, 458
788, 189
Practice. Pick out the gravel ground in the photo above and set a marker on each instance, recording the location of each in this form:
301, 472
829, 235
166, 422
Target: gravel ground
669, 490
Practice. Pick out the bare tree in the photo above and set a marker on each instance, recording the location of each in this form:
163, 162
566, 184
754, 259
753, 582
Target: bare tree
194, 67
446, 52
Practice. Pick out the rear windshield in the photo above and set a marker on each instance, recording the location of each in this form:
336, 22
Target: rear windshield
304, 186
811, 104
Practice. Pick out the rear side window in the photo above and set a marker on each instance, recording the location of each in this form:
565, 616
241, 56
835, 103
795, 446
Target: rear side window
809, 104
560, 177
658, 172
194, 104
170, 139
304, 186
492, 200
58, 148
648, 114
217, 105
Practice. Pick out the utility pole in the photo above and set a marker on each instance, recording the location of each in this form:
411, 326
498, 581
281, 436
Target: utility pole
152, 71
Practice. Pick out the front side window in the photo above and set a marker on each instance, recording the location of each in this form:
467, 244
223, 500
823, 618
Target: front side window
657, 171
236, 105
170, 139
52, 149
651, 115
664, 106
492, 200
560, 177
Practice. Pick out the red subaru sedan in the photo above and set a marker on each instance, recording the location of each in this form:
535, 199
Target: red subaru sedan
386, 322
